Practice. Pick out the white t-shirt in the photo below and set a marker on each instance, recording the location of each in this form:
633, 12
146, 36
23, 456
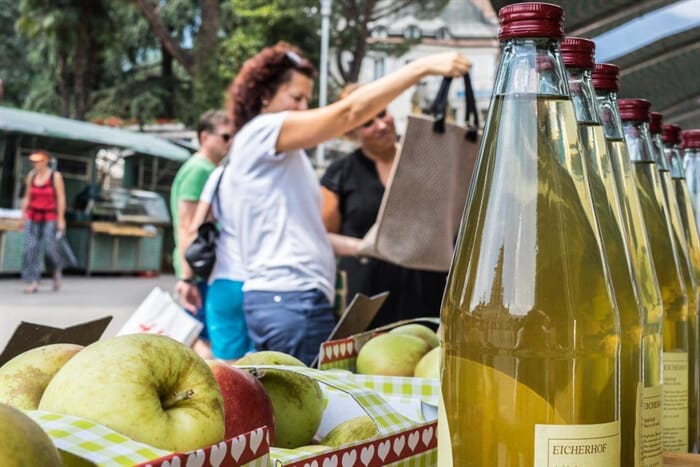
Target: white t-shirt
228, 263
276, 201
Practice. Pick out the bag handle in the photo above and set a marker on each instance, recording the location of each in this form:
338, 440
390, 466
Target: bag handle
215, 196
438, 109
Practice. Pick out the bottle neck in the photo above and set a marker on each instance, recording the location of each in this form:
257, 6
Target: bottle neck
610, 115
674, 160
583, 96
531, 66
657, 147
638, 141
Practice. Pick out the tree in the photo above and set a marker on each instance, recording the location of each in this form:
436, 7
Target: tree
201, 19
351, 28
15, 70
260, 23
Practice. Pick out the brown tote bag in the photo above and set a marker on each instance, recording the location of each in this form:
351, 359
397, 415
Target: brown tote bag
423, 202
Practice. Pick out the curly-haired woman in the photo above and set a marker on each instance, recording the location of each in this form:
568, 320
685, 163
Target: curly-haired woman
274, 195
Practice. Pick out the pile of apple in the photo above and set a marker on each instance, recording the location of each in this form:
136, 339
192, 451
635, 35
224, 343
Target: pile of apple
159, 392
407, 350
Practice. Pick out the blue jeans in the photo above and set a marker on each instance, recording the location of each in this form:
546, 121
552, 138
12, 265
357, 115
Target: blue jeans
295, 323
226, 323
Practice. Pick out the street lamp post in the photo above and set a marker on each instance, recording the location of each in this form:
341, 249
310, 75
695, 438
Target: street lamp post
323, 75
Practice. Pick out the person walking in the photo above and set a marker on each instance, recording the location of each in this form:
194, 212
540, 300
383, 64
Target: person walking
353, 188
214, 132
275, 207
43, 210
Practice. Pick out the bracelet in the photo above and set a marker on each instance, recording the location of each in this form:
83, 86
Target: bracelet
187, 280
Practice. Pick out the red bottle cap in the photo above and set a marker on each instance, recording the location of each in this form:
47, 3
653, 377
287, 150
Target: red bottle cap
577, 52
634, 109
606, 77
531, 20
671, 134
655, 119
691, 139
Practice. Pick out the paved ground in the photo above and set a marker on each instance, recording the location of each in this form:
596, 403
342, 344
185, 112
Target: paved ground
81, 299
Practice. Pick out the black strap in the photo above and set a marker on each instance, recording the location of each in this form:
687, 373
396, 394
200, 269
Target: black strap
438, 109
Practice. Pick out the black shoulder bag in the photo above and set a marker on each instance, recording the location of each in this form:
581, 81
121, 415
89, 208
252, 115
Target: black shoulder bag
201, 254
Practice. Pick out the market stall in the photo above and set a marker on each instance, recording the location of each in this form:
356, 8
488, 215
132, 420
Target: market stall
113, 224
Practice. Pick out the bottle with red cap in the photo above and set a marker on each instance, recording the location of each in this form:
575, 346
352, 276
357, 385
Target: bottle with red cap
670, 137
690, 145
531, 337
669, 270
605, 81
688, 262
578, 56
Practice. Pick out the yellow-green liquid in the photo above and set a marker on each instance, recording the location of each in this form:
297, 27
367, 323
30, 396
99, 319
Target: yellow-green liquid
687, 216
608, 211
531, 334
650, 298
671, 281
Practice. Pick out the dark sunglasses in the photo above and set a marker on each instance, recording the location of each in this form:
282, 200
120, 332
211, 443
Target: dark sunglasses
381, 115
225, 136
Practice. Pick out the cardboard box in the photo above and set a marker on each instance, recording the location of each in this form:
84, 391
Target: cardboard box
406, 437
96, 445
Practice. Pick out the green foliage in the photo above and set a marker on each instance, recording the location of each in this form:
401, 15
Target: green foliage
259, 23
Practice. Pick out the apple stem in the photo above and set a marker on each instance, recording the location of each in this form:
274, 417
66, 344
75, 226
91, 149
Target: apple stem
176, 398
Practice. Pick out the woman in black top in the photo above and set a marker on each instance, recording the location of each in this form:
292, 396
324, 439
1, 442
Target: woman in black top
352, 189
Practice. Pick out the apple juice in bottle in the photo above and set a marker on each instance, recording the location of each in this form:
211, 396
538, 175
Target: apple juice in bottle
670, 137
691, 164
578, 56
606, 83
635, 117
683, 247
530, 362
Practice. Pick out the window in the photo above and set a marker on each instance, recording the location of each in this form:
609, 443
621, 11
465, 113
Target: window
380, 32
379, 68
442, 34
71, 167
412, 32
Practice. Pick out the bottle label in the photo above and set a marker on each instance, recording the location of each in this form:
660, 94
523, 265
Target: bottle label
652, 441
444, 454
675, 401
580, 445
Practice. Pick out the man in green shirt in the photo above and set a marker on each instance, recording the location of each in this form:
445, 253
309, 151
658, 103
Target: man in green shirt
214, 131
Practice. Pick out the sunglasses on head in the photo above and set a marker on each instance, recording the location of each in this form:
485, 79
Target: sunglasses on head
369, 123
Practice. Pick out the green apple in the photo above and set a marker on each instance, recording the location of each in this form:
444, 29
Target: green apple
297, 401
429, 365
23, 443
268, 357
419, 330
24, 378
391, 354
150, 388
350, 431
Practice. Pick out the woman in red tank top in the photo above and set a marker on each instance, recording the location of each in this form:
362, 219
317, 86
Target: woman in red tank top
43, 206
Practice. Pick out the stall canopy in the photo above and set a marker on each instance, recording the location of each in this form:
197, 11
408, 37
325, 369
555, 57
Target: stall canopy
594, 17
667, 72
85, 135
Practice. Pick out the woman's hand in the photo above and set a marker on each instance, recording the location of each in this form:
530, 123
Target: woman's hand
189, 295
452, 64
61, 225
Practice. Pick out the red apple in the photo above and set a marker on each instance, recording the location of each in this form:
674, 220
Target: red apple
246, 404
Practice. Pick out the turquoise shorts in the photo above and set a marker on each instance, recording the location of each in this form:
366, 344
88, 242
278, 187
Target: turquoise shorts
226, 325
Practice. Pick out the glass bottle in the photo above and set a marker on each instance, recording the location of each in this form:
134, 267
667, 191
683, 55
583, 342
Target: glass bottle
691, 164
666, 253
578, 56
605, 79
531, 331
670, 137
